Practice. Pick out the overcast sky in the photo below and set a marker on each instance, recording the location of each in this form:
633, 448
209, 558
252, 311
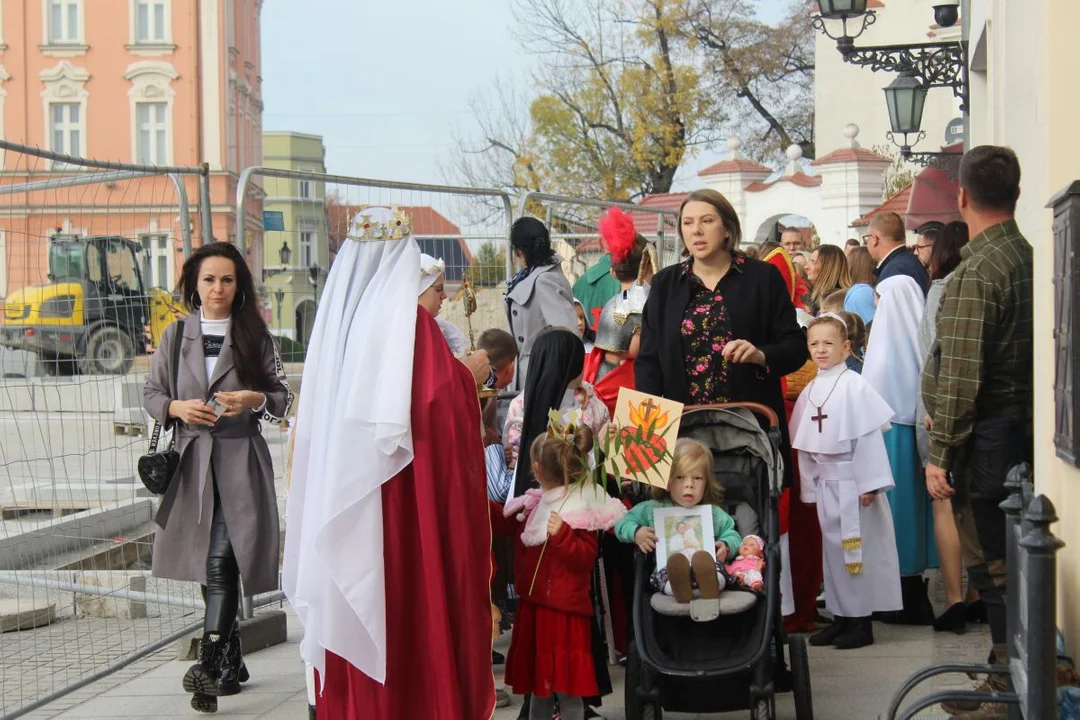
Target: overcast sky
386, 83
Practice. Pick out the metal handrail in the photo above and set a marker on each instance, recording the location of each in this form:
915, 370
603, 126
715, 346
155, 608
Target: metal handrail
100, 164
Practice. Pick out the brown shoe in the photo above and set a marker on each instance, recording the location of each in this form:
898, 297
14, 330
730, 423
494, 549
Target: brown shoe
965, 708
704, 566
678, 572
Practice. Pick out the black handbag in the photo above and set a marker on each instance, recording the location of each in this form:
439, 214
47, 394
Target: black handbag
156, 469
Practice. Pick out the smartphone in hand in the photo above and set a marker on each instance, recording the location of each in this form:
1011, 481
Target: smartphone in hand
217, 407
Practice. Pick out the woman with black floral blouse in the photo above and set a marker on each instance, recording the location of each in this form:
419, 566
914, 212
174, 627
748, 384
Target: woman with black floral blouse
718, 327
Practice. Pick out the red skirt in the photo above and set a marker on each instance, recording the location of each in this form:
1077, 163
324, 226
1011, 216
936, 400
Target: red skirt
551, 652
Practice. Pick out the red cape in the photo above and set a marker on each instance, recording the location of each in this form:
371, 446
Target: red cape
608, 388
807, 571
437, 536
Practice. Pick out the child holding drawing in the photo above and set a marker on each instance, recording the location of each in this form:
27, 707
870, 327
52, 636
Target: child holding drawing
692, 484
557, 524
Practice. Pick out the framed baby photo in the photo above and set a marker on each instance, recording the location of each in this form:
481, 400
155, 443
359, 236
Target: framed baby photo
684, 530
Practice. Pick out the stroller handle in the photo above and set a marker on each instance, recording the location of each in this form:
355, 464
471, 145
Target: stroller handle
757, 408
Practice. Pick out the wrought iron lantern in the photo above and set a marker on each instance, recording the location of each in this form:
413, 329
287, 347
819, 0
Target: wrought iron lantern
285, 253
905, 97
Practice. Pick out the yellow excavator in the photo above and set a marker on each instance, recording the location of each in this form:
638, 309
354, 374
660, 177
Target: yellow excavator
95, 314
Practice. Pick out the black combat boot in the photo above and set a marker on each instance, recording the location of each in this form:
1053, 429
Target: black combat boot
233, 668
201, 679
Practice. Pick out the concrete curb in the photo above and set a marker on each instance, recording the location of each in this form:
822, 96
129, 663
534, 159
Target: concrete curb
265, 630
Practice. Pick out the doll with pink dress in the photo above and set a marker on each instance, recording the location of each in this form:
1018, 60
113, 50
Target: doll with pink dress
747, 568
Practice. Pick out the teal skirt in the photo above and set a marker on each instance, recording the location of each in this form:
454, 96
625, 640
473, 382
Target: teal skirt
912, 506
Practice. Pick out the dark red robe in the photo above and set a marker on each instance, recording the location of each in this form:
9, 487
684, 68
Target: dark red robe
804, 543
437, 544
608, 387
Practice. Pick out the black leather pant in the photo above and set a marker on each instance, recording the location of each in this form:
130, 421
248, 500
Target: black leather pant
222, 589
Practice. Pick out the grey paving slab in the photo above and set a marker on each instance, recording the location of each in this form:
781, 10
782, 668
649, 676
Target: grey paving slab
848, 685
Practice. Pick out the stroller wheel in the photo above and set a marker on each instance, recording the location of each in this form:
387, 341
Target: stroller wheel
763, 710
800, 678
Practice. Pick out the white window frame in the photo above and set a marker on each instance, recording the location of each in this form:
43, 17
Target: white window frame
151, 82
78, 42
154, 128
4, 77
3, 263
312, 251
67, 127
3, 45
166, 22
149, 241
306, 190
65, 84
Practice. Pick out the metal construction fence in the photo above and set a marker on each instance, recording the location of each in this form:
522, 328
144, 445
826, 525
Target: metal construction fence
90, 255
573, 223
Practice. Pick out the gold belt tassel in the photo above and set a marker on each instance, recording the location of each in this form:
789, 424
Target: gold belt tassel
853, 568
852, 544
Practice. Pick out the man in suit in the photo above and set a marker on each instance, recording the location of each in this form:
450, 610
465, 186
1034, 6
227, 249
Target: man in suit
887, 247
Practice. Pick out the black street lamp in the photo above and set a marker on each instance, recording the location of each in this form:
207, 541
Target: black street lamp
921, 66
939, 64
285, 253
905, 97
279, 295
313, 274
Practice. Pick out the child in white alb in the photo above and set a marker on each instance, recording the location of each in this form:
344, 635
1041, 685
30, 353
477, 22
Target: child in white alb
836, 429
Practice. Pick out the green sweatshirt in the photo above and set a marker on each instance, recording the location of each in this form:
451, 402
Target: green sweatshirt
642, 516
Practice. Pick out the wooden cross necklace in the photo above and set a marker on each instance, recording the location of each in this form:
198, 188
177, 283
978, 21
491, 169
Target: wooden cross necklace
821, 416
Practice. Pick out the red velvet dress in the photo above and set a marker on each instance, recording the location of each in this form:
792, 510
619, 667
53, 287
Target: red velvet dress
437, 544
551, 644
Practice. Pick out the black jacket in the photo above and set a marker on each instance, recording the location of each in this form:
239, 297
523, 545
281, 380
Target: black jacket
761, 311
902, 262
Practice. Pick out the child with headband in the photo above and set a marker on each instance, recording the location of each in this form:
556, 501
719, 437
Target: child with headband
836, 429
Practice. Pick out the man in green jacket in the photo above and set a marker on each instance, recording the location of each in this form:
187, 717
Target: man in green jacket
595, 288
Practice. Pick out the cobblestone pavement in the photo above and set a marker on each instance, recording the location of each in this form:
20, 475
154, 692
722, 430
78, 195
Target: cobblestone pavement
852, 685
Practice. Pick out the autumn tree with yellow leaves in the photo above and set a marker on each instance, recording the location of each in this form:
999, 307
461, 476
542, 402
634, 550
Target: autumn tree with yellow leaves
625, 91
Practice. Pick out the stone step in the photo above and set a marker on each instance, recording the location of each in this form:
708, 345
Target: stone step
25, 615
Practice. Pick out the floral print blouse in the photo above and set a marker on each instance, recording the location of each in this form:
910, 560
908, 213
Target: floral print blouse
705, 330
594, 413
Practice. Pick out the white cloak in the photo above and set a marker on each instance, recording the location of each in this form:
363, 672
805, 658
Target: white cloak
840, 459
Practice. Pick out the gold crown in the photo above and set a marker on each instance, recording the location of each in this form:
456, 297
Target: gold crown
364, 228
563, 426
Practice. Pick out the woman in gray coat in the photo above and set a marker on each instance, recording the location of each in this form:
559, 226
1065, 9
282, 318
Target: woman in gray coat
944, 259
539, 295
218, 520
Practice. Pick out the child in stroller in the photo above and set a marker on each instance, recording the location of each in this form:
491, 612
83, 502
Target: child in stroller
688, 568
742, 658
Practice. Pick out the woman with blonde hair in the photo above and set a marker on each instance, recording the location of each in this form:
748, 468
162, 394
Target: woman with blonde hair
827, 271
861, 265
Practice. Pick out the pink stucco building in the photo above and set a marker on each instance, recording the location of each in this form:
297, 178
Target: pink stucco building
162, 82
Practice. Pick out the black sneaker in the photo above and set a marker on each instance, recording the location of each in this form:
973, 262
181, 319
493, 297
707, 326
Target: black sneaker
497, 658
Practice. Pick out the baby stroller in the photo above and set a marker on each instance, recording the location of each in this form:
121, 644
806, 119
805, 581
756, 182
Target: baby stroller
736, 661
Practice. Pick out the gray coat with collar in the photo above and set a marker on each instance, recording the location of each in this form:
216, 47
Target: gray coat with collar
541, 299
238, 454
